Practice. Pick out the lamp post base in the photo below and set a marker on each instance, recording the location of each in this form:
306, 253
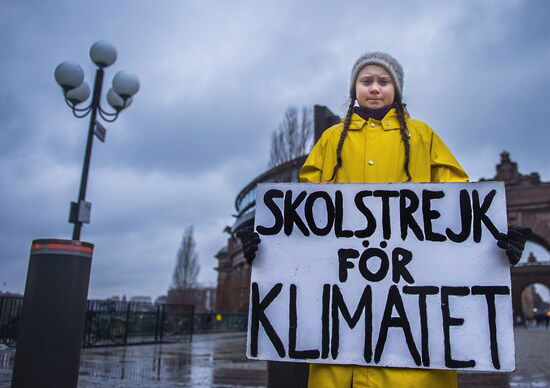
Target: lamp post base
49, 339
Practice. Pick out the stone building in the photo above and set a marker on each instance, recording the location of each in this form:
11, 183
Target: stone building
233, 271
528, 204
527, 199
203, 298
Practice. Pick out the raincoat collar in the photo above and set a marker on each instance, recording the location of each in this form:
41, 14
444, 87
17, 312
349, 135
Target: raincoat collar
388, 122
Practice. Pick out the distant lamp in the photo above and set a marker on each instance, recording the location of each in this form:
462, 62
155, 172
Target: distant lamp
103, 53
115, 100
125, 84
78, 95
69, 75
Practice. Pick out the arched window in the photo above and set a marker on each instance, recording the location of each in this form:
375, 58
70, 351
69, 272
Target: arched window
539, 253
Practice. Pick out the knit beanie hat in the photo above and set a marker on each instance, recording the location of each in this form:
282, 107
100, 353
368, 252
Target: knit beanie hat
381, 59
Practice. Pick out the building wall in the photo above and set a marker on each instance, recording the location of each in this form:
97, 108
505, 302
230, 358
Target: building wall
201, 297
233, 278
527, 199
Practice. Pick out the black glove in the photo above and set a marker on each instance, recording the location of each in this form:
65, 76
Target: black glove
249, 242
514, 242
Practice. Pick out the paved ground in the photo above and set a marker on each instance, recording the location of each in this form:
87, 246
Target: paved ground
532, 363
212, 360
217, 360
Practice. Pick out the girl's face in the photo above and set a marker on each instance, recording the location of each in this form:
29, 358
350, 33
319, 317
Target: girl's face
374, 87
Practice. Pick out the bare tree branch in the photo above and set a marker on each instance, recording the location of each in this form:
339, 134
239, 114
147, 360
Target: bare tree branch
293, 136
187, 263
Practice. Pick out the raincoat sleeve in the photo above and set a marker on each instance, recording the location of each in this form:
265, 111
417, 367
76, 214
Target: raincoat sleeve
444, 166
312, 169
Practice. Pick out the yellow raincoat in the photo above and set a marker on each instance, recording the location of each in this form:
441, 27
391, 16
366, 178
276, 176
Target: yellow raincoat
374, 152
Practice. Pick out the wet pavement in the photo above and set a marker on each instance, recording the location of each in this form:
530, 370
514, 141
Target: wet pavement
217, 360
211, 360
532, 363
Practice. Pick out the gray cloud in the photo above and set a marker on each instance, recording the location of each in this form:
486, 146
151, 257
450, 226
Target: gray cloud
216, 79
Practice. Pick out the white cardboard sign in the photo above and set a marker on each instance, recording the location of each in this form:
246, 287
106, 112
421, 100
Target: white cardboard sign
402, 275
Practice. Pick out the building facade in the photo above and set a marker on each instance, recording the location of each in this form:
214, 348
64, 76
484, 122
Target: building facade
527, 199
233, 271
203, 298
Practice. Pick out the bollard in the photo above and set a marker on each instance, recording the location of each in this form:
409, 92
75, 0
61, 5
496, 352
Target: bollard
49, 338
287, 374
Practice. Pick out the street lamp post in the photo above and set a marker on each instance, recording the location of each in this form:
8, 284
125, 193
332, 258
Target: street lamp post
49, 338
70, 77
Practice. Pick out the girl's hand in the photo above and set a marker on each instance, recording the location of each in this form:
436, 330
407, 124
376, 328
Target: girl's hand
249, 242
514, 242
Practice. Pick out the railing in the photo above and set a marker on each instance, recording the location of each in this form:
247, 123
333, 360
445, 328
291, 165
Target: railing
117, 323
220, 322
10, 316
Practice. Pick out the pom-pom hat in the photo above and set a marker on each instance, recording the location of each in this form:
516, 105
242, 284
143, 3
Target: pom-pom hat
381, 59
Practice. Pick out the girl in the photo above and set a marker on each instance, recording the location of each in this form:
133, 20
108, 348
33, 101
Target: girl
378, 142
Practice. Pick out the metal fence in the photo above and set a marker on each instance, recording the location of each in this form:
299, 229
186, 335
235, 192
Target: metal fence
220, 322
10, 316
117, 323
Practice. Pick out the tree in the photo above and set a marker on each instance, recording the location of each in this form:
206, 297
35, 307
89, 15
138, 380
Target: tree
187, 263
293, 136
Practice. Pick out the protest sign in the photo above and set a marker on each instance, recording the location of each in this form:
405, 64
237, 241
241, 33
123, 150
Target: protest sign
402, 275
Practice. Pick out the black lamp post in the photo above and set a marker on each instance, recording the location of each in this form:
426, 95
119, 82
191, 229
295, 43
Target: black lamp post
70, 77
54, 306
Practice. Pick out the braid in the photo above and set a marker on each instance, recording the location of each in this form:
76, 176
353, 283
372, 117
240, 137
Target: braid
400, 110
347, 121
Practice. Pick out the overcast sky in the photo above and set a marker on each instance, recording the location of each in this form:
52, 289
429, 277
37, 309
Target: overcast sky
216, 78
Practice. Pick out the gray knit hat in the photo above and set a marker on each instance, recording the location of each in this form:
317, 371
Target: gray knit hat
381, 59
